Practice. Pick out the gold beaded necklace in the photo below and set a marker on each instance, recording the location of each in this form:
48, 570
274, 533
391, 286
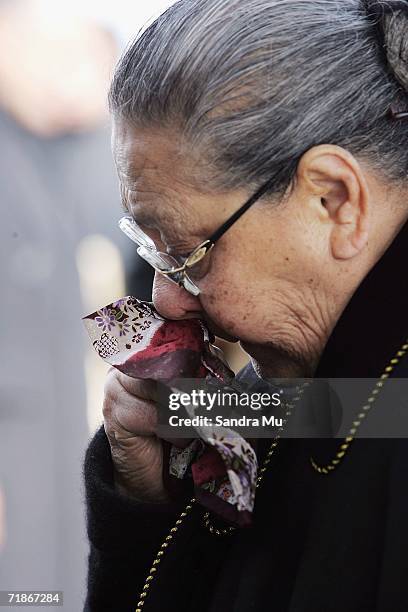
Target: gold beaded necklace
345, 445
327, 469
206, 518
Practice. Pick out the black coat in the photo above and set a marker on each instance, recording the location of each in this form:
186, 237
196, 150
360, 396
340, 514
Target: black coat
320, 543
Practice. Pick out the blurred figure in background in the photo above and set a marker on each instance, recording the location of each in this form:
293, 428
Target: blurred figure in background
57, 182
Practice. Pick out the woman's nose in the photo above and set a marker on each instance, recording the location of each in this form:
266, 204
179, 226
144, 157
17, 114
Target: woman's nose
174, 302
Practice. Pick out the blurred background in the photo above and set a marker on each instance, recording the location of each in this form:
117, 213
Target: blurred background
62, 257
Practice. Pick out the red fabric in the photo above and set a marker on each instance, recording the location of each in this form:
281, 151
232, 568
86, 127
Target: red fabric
208, 467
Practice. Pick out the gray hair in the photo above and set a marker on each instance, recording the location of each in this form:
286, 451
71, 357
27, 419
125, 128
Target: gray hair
251, 85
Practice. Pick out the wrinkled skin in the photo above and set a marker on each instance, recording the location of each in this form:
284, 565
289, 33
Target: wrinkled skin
277, 282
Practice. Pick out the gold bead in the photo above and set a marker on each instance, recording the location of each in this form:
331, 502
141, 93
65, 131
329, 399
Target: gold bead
353, 431
349, 439
149, 578
344, 446
356, 423
394, 361
341, 454
388, 369
153, 570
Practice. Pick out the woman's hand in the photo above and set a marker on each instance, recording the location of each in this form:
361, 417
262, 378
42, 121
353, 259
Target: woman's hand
130, 417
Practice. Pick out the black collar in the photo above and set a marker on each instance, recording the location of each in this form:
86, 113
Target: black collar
374, 324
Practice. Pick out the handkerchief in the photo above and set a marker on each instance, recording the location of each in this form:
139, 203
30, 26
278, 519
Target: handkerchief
130, 335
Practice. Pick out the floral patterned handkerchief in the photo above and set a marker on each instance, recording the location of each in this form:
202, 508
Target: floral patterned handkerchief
131, 336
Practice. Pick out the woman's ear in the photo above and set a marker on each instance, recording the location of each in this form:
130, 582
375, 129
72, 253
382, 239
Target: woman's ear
333, 183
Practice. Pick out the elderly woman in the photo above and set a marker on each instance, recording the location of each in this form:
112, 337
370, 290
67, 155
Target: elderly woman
274, 133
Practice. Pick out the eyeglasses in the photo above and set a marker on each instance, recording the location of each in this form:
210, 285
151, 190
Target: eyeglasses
184, 270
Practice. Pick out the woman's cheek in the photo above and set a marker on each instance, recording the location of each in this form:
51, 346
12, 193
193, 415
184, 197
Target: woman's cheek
233, 313
230, 296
